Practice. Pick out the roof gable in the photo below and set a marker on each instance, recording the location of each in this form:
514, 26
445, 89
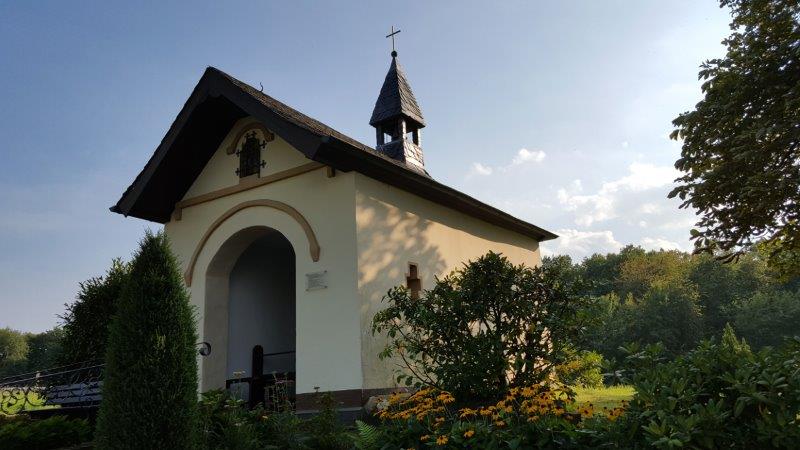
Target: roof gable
219, 101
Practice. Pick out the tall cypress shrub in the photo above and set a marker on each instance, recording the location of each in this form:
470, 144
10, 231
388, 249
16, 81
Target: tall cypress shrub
150, 382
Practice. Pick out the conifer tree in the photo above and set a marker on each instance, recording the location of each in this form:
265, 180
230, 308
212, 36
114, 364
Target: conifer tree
150, 381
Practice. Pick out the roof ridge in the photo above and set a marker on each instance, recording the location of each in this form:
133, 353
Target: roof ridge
289, 112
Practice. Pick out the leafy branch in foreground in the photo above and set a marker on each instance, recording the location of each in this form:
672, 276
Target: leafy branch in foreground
741, 143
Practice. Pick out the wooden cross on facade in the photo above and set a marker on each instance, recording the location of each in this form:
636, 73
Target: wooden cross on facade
391, 35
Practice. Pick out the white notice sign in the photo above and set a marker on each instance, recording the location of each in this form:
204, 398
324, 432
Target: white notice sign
316, 280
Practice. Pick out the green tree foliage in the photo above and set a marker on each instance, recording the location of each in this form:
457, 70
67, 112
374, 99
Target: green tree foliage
678, 299
768, 317
483, 328
28, 352
87, 320
741, 143
150, 381
13, 351
44, 349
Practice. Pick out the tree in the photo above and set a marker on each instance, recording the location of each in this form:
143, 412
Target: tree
87, 320
767, 318
638, 273
13, 351
486, 327
741, 143
150, 380
44, 349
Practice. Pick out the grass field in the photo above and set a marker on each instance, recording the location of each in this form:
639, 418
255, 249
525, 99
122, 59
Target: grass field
609, 397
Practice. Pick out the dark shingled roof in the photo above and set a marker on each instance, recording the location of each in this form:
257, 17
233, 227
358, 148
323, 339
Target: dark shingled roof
219, 100
396, 98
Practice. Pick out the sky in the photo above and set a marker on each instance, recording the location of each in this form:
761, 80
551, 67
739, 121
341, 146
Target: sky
557, 112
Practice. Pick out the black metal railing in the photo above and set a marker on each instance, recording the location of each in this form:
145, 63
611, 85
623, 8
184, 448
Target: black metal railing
77, 385
72, 386
275, 390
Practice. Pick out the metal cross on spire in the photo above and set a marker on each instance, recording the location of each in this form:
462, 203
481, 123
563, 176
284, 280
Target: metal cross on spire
391, 35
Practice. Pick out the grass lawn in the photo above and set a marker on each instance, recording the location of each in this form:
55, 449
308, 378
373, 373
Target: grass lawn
610, 397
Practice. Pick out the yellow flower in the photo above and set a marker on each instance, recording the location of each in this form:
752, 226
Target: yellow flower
509, 409
469, 433
425, 437
467, 412
441, 440
528, 392
500, 424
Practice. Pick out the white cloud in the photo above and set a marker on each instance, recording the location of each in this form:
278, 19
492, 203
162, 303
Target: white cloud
660, 244
604, 205
524, 155
480, 169
643, 176
625, 144
580, 244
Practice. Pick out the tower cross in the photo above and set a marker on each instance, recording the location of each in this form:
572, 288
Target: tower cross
391, 35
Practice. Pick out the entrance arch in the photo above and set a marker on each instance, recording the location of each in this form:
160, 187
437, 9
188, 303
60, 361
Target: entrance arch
250, 301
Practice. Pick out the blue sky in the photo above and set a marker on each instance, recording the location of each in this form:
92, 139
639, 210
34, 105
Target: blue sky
557, 112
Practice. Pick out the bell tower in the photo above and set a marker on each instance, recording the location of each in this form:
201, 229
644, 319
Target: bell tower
398, 119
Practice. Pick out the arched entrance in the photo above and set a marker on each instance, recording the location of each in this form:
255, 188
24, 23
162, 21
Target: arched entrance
251, 304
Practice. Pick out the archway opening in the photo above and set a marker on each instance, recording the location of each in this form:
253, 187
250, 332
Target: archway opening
251, 311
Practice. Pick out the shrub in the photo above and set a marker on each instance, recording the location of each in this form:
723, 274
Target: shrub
324, 428
227, 424
720, 395
150, 380
22, 433
483, 328
86, 321
584, 369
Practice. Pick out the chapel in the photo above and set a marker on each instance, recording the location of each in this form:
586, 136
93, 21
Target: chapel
289, 233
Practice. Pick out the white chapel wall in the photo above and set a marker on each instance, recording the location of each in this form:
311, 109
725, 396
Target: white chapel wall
396, 228
327, 334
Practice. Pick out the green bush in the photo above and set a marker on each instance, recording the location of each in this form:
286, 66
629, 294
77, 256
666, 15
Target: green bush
227, 424
720, 395
150, 380
87, 320
483, 328
22, 433
584, 369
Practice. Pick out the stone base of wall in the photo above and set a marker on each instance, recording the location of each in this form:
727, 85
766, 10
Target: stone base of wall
345, 400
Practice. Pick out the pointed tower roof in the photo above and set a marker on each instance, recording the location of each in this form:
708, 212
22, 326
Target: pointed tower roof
396, 98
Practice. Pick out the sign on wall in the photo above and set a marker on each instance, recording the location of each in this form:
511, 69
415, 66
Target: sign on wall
317, 280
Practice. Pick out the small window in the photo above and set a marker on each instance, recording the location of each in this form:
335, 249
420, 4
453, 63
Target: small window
413, 282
